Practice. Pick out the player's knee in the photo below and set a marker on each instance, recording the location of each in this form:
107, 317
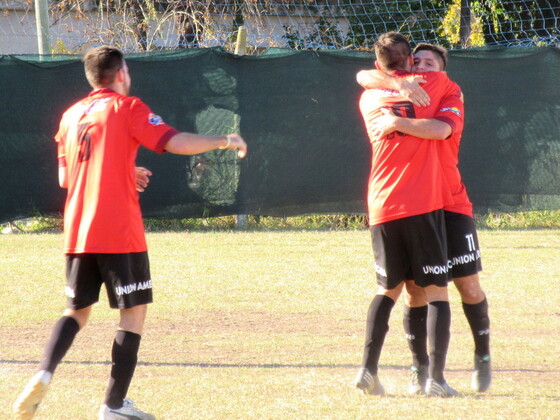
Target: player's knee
81, 316
132, 319
390, 293
415, 295
469, 289
436, 293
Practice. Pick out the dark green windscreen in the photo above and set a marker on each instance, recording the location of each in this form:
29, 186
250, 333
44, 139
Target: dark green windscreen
308, 152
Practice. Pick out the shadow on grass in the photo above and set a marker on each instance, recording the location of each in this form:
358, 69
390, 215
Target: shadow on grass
261, 365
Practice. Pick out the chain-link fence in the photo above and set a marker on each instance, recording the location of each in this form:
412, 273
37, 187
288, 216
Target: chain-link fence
147, 25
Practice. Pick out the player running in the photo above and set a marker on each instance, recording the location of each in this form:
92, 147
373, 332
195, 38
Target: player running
104, 238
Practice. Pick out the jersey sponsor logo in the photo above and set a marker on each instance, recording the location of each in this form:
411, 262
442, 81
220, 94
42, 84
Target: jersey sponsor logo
465, 258
455, 110
131, 288
436, 269
155, 119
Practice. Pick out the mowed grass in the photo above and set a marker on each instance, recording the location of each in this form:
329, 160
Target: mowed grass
269, 325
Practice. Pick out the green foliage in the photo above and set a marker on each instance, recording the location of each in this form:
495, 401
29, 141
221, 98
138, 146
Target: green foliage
308, 222
522, 220
38, 224
451, 24
530, 22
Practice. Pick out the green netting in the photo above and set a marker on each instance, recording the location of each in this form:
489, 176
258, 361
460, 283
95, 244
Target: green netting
308, 152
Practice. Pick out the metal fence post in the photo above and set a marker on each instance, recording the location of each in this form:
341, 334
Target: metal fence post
42, 23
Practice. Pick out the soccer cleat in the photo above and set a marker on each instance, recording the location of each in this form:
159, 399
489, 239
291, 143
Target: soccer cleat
26, 404
482, 375
369, 383
127, 412
440, 390
418, 380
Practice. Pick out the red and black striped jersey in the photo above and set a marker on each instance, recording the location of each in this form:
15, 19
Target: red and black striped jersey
98, 140
406, 176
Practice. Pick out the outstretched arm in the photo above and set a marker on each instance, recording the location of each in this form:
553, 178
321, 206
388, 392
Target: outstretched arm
408, 87
193, 144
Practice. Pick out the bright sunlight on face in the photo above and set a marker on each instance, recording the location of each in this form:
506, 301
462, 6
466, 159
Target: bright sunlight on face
425, 60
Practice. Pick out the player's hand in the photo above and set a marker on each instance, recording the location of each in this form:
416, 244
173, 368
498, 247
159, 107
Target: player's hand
383, 124
142, 178
411, 90
236, 142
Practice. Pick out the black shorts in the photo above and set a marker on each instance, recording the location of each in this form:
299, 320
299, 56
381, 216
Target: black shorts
411, 248
462, 244
126, 278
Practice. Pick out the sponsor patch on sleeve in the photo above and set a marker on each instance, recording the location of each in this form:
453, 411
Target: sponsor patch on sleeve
454, 110
155, 119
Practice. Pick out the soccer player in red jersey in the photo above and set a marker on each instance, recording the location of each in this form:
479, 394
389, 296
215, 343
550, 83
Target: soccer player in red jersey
406, 195
463, 246
104, 239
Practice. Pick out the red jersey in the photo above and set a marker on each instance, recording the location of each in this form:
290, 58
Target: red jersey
406, 177
98, 140
448, 151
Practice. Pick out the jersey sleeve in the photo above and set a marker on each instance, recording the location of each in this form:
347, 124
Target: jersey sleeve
446, 100
148, 128
451, 108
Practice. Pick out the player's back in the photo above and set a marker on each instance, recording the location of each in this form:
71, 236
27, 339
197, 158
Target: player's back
406, 178
102, 213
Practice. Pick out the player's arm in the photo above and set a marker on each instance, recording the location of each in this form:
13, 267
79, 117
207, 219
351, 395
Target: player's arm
61, 157
63, 177
425, 128
193, 144
408, 87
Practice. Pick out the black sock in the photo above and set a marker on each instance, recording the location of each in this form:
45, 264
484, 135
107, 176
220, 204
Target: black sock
415, 327
477, 315
62, 337
124, 357
376, 330
439, 323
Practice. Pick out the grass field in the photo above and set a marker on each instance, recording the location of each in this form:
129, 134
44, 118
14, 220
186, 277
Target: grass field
269, 325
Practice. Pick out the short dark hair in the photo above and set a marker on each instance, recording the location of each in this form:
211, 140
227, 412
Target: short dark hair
392, 50
440, 52
101, 65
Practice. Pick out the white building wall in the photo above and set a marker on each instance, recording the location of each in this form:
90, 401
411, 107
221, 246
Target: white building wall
18, 33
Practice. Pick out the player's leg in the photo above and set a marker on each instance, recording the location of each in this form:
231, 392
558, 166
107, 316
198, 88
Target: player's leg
464, 253
83, 283
475, 308
62, 337
377, 326
129, 288
124, 354
390, 273
438, 327
428, 246
415, 327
